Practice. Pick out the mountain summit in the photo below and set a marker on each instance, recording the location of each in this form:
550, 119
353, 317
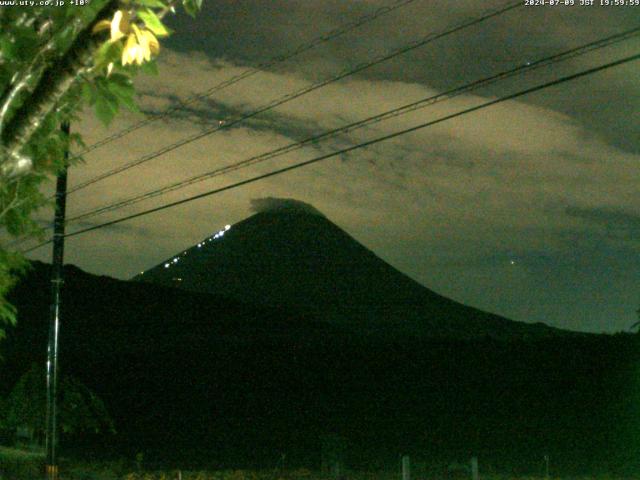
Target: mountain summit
289, 253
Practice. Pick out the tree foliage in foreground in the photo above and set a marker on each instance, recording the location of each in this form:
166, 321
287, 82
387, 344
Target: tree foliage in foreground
79, 408
54, 61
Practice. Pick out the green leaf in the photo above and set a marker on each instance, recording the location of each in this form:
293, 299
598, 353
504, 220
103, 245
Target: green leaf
8, 50
108, 52
102, 86
106, 107
120, 79
130, 104
153, 22
122, 87
88, 93
26, 42
104, 112
150, 68
76, 139
151, 3
66, 37
190, 7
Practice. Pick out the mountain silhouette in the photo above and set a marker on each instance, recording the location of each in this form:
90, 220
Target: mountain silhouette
290, 254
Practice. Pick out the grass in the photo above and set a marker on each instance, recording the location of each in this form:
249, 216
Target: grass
296, 475
16, 464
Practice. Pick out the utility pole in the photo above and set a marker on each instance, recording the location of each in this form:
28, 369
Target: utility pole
57, 279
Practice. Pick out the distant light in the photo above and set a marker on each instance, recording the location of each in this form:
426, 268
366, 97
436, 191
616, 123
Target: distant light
227, 227
166, 265
512, 262
221, 233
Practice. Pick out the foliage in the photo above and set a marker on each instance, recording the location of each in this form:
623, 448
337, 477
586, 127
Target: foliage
54, 61
79, 409
11, 264
20, 465
102, 474
300, 474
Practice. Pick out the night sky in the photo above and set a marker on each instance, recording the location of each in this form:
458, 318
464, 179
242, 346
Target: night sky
529, 209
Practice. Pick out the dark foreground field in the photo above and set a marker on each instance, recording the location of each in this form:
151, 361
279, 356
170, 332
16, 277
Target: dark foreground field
20, 465
203, 382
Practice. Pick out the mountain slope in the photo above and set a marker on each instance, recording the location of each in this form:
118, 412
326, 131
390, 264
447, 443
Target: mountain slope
297, 257
199, 378
104, 316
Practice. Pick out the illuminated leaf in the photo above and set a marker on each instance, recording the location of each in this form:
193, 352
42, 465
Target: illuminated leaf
119, 24
130, 51
153, 22
191, 7
144, 52
152, 41
151, 3
100, 26
108, 52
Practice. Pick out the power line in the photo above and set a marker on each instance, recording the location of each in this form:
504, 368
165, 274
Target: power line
292, 96
487, 14
280, 171
525, 68
332, 34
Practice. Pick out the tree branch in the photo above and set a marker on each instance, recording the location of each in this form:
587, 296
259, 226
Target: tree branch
55, 82
27, 79
14, 202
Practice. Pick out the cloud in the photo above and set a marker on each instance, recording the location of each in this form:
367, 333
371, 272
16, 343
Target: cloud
617, 223
502, 168
273, 204
522, 177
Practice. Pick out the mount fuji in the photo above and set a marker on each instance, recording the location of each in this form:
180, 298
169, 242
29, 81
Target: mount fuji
290, 254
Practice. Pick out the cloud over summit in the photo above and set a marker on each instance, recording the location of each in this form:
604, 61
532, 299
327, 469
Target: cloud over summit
286, 205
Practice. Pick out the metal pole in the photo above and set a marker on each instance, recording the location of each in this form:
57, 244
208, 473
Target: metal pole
546, 466
474, 468
57, 280
406, 468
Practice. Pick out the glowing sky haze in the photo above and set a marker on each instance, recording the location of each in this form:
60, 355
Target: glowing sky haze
529, 209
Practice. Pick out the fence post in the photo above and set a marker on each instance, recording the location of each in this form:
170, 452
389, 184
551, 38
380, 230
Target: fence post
546, 466
337, 471
474, 468
406, 468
